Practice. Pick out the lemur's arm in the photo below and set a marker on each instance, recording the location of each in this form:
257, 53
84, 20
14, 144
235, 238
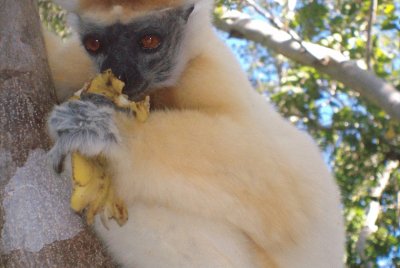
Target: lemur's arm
69, 63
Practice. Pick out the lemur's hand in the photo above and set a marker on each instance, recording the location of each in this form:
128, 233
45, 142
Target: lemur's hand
84, 126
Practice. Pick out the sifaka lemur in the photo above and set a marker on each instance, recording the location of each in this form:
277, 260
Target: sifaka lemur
215, 177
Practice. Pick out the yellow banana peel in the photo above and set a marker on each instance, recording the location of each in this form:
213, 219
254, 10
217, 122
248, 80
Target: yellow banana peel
93, 190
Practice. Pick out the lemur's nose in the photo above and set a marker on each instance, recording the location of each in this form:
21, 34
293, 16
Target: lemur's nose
115, 66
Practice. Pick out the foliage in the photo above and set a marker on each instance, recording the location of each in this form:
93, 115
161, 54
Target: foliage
358, 139
53, 17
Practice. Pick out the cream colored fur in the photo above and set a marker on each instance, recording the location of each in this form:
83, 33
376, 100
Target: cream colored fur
215, 177
69, 64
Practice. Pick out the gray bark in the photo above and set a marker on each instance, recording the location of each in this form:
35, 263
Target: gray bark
37, 228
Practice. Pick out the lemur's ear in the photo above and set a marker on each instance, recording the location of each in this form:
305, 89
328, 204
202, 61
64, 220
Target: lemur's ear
69, 5
187, 11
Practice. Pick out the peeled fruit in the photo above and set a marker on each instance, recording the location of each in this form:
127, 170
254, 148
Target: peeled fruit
93, 190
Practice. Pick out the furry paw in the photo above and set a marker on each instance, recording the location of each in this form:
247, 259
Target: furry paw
81, 126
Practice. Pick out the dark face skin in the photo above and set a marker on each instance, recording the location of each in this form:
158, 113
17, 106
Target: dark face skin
143, 53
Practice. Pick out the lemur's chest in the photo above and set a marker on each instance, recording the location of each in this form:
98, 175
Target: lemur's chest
158, 237
166, 98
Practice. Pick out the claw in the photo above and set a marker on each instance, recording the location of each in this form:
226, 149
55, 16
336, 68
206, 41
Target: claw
56, 159
60, 167
94, 191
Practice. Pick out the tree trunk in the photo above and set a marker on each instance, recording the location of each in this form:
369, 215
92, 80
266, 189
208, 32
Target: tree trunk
37, 227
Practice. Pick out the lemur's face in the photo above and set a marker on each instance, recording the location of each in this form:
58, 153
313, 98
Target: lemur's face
144, 53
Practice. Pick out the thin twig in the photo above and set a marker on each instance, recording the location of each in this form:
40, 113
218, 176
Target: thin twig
371, 20
266, 13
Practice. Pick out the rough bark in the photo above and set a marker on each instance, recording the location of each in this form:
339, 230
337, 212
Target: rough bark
37, 229
325, 60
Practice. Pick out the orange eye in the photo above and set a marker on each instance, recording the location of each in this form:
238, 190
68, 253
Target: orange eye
150, 42
92, 44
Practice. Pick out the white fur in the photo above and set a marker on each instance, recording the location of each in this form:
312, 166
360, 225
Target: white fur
218, 178
160, 237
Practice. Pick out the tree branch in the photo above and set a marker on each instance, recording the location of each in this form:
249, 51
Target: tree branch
325, 60
374, 209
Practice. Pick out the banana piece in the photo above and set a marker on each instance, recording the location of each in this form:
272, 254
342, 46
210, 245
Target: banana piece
107, 85
93, 190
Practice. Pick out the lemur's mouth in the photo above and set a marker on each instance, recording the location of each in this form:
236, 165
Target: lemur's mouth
136, 92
